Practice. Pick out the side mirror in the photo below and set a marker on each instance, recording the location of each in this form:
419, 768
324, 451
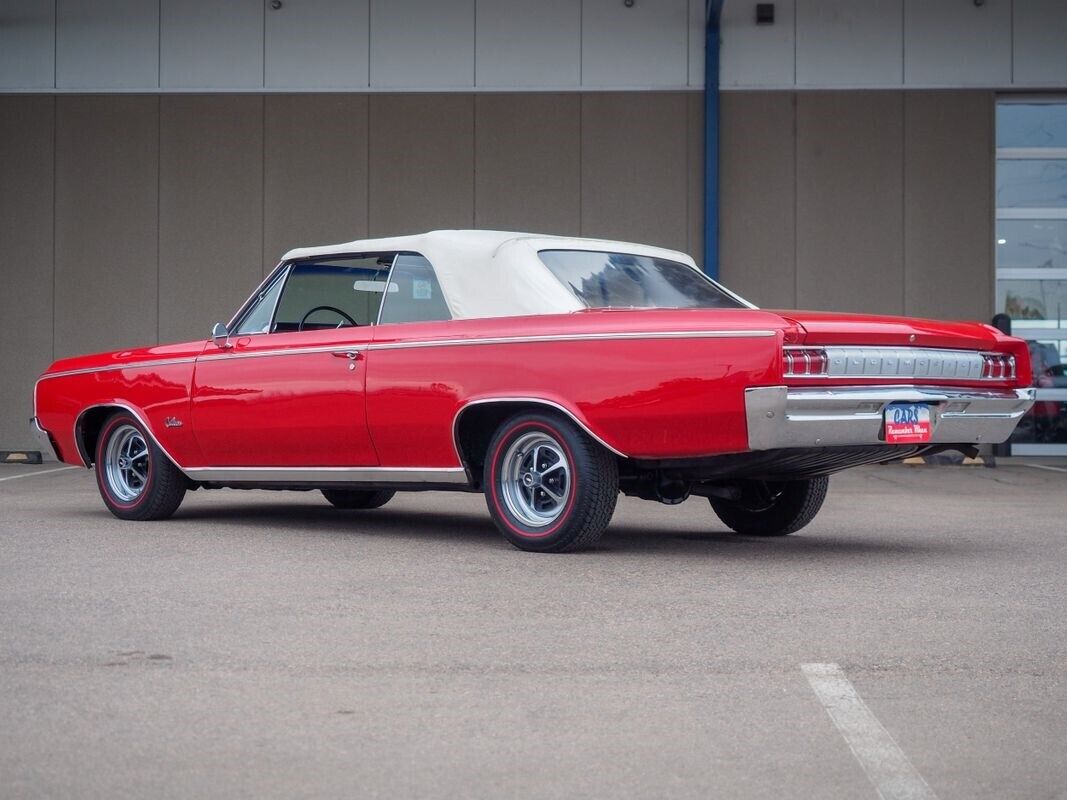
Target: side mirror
220, 336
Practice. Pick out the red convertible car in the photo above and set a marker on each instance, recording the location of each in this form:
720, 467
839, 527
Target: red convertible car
549, 373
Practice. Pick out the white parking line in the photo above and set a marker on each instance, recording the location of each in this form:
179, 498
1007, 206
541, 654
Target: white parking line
888, 768
1045, 466
34, 474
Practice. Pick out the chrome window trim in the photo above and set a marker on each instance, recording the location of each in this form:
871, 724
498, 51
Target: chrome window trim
388, 280
255, 295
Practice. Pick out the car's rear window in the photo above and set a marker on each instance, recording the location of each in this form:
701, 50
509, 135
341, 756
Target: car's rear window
622, 280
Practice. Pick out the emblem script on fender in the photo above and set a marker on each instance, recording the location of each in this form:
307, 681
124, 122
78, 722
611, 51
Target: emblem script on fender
172, 422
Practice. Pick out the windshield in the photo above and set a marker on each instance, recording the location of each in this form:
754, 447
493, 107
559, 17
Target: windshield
621, 280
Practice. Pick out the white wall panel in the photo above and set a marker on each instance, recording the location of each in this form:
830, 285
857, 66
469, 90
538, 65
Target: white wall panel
208, 44
417, 44
644, 46
107, 44
850, 43
1040, 31
520, 44
321, 44
757, 55
949, 43
27, 45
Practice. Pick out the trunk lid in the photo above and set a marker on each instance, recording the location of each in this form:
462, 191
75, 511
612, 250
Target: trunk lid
833, 328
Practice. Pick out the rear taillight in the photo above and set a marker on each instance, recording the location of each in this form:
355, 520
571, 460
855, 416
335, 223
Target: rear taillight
804, 362
998, 367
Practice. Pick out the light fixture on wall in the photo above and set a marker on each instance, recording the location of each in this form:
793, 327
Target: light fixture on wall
764, 13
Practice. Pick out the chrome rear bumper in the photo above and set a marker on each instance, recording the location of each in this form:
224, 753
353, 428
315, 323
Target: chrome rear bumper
43, 440
779, 416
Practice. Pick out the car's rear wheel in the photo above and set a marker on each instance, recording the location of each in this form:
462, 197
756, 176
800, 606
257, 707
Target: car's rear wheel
549, 487
358, 498
136, 479
773, 509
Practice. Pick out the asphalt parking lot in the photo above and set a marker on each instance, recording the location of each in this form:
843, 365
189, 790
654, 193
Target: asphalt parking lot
266, 645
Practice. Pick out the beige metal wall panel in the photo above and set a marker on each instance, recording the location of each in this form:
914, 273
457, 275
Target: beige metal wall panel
645, 45
317, 44
757, 196
527, 162
949, 43
416, 44
315, 175
26, 163
27, 45
421, 163
850, 253
694, 176
634, 167
948, 205
850, 43
211, 210
1040, 47
106, 223
107, 44
757, 55
520, 44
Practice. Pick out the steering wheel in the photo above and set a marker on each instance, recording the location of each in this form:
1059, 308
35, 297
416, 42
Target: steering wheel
337, 311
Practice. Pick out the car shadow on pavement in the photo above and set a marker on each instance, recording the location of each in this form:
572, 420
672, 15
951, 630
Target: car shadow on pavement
620, 538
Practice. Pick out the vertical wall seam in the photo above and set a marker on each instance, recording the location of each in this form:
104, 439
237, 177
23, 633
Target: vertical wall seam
474, 160
55, 45
1011, 43
581, 160
263, 183
474, 48
796, 192
367, 163
904, 202
159, 211
55, 170
159, 45
369, 40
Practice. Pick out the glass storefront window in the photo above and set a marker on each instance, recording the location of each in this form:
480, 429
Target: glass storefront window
1031, 257
1034, 243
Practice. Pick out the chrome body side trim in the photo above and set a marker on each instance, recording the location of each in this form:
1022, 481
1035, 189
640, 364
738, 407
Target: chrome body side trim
781, 416
291, 351
43, 439
163, 362
87, 458
534, 400
315, 475
574, 337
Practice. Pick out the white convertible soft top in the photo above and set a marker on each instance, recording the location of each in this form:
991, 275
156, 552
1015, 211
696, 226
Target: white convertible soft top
493, 273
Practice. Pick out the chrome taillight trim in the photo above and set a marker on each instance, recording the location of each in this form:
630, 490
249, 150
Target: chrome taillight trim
901, 362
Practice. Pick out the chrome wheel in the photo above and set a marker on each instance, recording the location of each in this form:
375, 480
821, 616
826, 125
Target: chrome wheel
126, 463
535, 479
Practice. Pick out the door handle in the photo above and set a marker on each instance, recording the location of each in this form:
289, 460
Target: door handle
351, 355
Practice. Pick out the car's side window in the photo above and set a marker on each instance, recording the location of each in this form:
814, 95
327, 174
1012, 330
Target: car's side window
414, 293
333, 293
258, 318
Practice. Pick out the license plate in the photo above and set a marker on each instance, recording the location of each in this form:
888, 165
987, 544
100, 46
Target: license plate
907, 423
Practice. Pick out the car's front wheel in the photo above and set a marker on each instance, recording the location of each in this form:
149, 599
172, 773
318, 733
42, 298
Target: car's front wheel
773, 509
549, 487
136, 479
353, 499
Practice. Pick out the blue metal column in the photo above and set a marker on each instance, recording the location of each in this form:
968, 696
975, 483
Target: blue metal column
711, 139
